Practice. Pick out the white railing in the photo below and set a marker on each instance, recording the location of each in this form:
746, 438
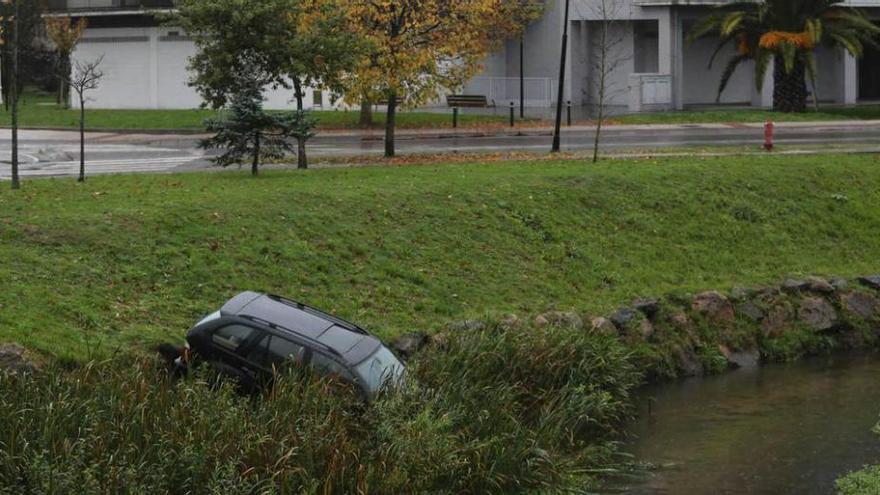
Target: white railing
500, 91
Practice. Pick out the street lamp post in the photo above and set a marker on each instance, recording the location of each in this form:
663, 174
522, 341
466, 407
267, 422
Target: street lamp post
14, 94
522, 77
556, 132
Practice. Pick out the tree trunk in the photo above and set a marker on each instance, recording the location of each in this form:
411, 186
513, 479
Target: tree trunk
82, 139
302, 160
255, 165
390, 122
366, 119
599, 121
789, 88
603, 81
5, 76
298, 93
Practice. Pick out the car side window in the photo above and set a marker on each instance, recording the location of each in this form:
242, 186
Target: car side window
274, 351
231, 337
282, 350
328, 367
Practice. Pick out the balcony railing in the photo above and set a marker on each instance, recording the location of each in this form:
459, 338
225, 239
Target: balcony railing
108, 5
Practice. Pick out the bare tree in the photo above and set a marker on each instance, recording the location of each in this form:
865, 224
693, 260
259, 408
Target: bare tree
85, 77
606, 58
65, 34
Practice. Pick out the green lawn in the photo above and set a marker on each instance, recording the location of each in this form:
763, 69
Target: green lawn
863, 112
40, 111
138, 258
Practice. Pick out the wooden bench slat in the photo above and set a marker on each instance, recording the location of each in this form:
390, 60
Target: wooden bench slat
470, 101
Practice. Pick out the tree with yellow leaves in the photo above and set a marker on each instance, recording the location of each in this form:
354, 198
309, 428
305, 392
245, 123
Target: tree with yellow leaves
420, 47
64, 33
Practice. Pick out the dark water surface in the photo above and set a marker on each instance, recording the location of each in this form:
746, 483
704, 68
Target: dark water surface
777, 429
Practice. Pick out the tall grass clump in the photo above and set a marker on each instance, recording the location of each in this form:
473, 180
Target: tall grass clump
499, 411
543, 405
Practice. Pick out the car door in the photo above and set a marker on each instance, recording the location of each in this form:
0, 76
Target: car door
328, 366
273, 353
230, 345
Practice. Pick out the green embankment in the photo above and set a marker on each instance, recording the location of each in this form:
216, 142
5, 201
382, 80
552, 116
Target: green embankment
132, 259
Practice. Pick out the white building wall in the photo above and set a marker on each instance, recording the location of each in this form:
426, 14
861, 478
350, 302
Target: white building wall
830, 80
146, 68
172, 53
700, 84
127, 82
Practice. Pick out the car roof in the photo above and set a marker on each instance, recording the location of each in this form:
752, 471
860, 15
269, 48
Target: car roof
340, 337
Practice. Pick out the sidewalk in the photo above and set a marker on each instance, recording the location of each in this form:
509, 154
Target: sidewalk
177, 137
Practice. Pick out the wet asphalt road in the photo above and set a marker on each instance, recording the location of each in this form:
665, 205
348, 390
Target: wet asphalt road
56, 153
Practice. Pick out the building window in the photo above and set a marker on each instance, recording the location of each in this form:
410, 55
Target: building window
646, 47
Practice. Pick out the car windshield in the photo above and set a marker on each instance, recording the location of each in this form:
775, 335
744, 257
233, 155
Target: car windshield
380, 368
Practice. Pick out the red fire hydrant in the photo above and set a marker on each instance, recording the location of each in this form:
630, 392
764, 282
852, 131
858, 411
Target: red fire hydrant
769, 128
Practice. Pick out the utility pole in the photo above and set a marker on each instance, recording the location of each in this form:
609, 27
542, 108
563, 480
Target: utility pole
557, 129
16, 183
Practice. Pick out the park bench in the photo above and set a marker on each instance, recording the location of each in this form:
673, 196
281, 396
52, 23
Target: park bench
467, 101
464, 101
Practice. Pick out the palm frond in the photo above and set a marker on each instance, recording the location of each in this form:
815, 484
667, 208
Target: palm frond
762, 63
809, 61
718, 49
732, 22
732, 64
851, 44
704, 26
788, 51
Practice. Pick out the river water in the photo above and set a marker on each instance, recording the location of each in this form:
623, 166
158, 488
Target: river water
777, 429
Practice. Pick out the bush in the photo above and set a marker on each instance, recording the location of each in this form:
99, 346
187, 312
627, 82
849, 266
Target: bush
495, 412
864, 482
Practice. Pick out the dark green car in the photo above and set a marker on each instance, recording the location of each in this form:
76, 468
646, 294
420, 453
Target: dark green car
255, 335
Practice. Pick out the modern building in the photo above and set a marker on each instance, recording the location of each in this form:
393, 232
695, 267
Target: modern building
655, 69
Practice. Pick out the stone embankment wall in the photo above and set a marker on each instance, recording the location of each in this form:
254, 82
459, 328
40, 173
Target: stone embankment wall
712, 331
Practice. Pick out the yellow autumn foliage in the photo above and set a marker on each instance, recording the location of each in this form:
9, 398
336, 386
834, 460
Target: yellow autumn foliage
421, 46
64, 32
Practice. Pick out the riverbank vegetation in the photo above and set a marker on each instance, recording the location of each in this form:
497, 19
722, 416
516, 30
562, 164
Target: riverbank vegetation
864, 482
503, 405
119, 426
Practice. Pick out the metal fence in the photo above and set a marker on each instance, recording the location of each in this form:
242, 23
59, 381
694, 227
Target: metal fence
74, 5
539, 91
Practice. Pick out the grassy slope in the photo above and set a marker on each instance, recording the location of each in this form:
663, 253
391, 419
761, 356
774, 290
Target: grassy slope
134, 258
40, 111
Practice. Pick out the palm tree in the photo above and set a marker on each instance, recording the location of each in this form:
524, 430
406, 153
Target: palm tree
786, 33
